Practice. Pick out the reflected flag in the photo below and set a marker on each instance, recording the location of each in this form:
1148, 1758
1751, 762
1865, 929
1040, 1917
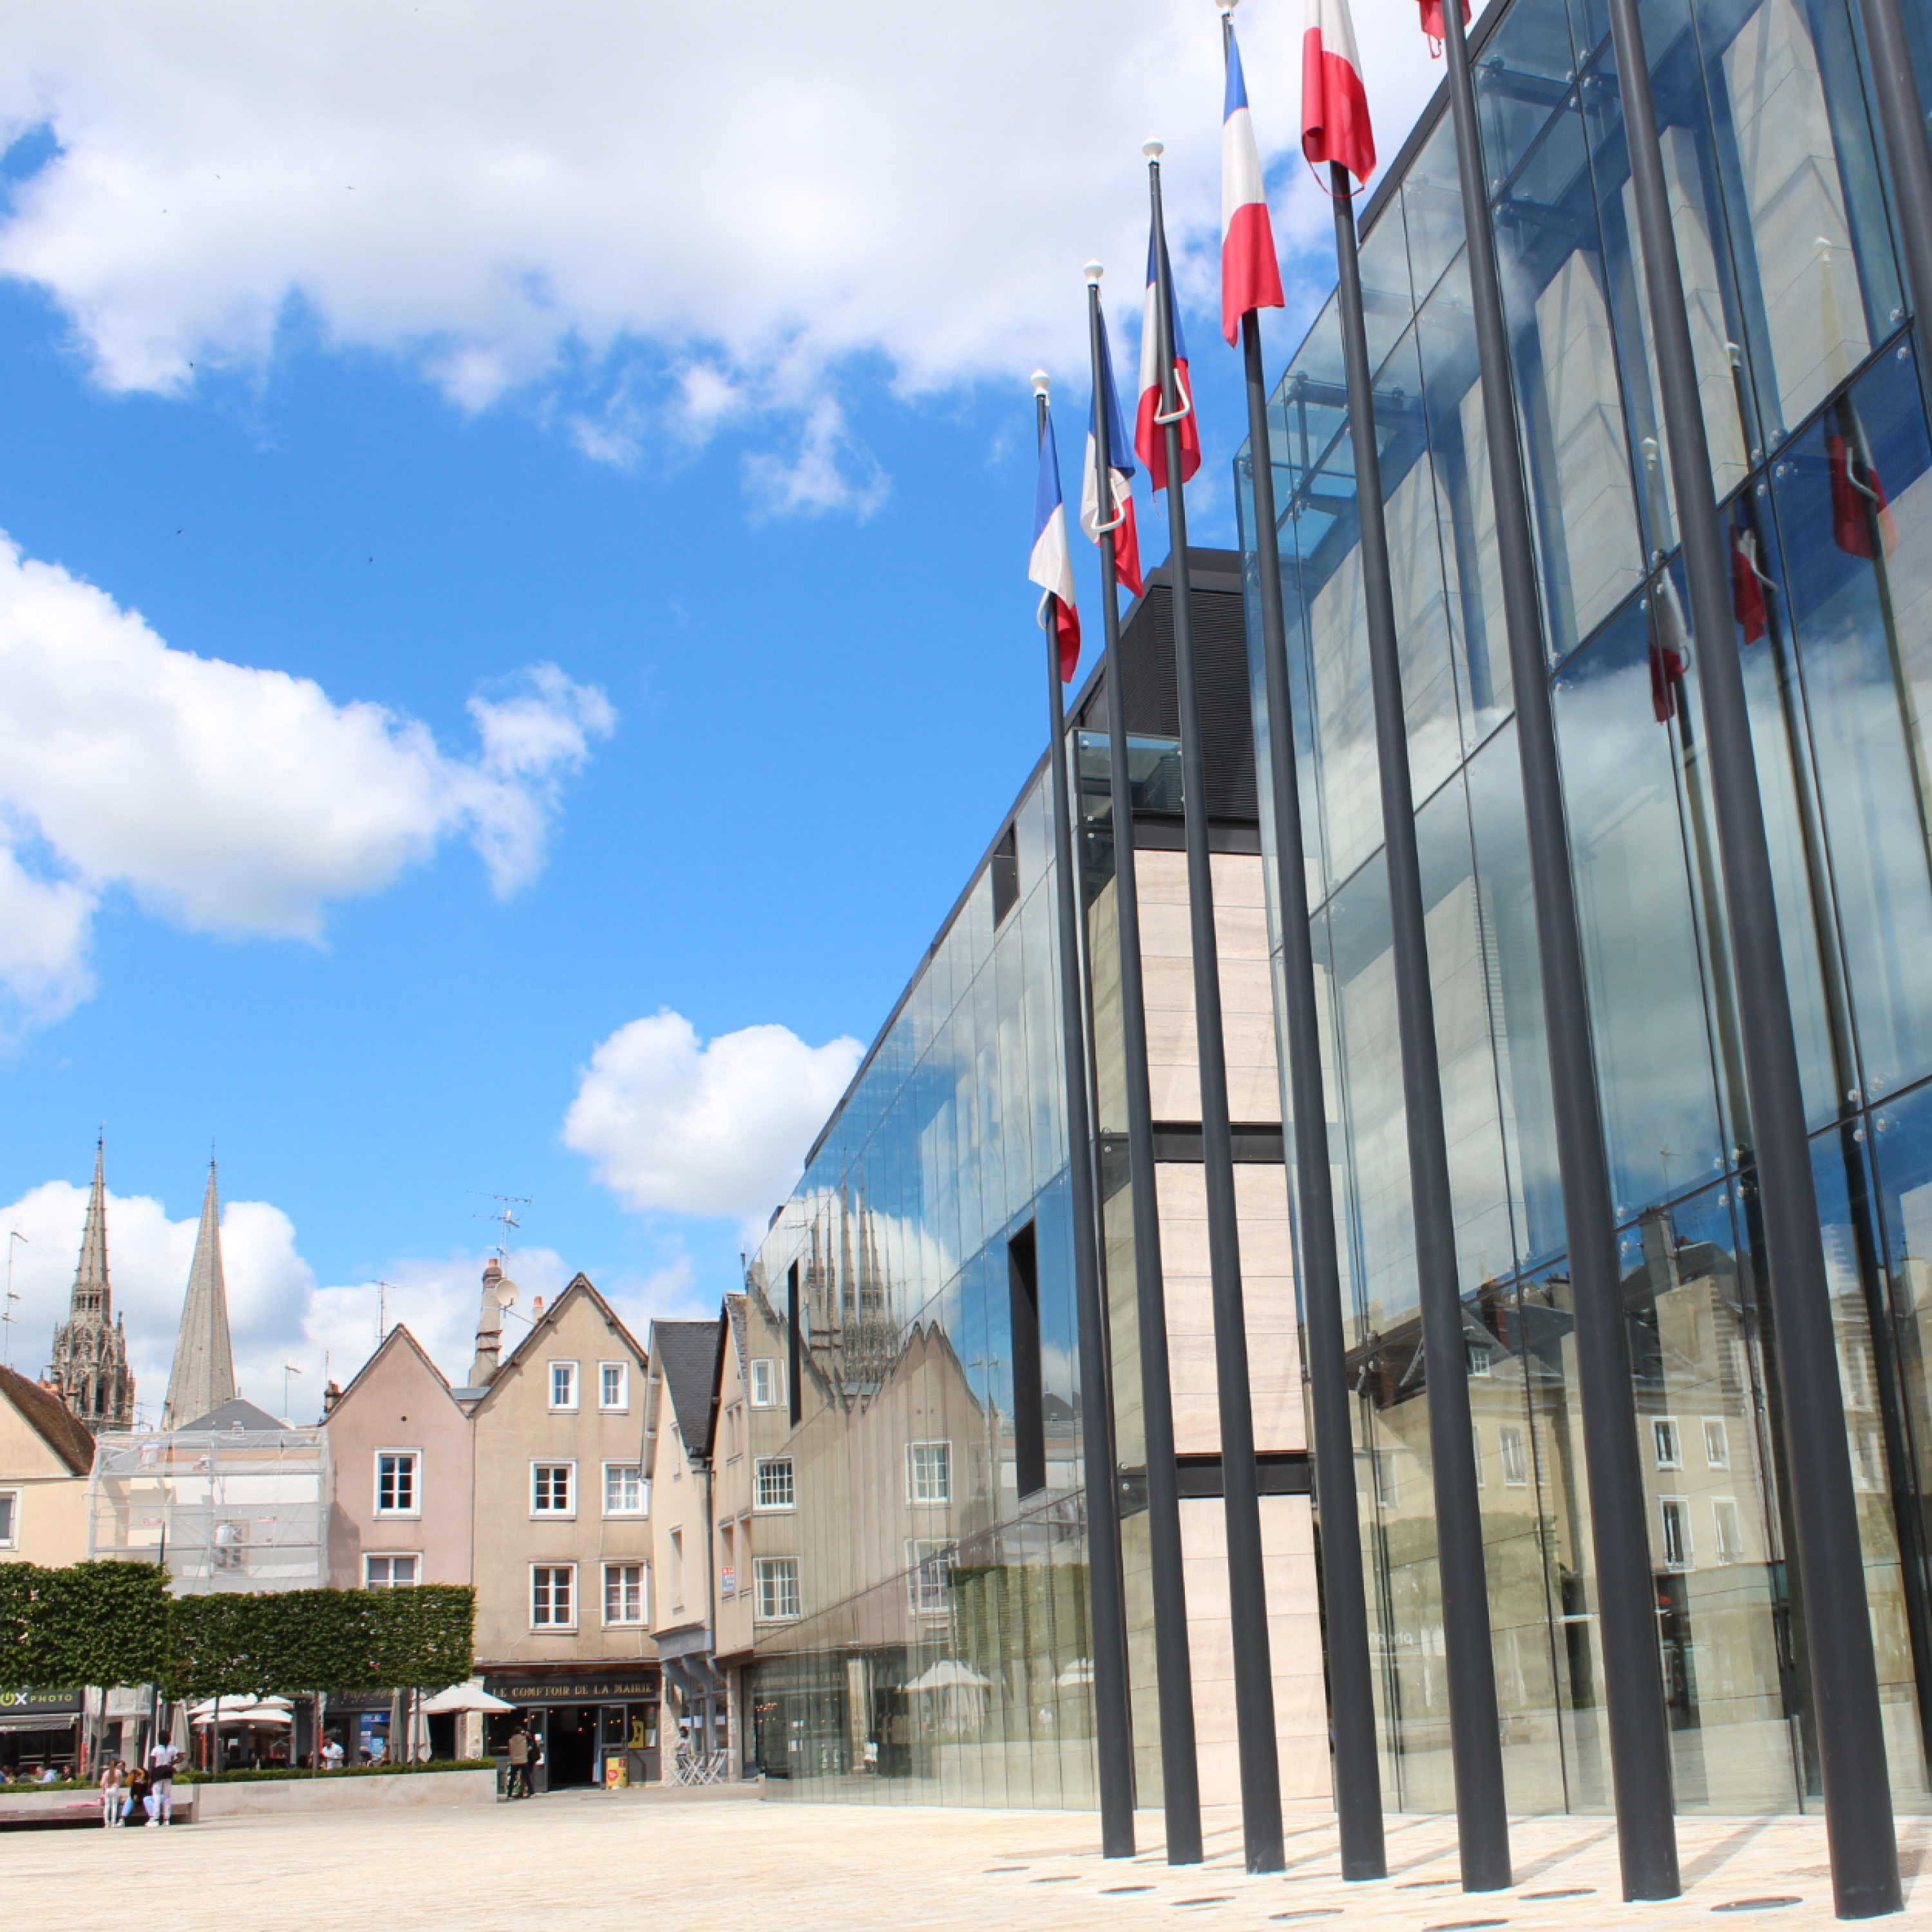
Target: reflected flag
1334, 105
1748, 585
1858, 496
1051, 564
1150, 437
1250, 275
1119, 517
1669, 650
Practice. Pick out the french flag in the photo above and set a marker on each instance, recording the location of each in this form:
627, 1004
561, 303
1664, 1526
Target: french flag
1432, 20
1334, 106
1150, 437
1052, 567
1250, 277
1120, 478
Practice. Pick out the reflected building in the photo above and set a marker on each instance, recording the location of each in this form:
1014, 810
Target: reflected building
1814, 391
915, 1547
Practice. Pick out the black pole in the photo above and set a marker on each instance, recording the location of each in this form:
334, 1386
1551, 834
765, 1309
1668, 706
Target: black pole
1482, 1821
1174, 1669
1824, 1507
1247, 1607
1352, 1702
1113, 1719
1633, 1707
1901, 115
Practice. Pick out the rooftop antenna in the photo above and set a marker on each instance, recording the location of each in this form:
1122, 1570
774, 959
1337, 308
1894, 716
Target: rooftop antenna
505, 1217
6, 1314
288, 1369
383, 1288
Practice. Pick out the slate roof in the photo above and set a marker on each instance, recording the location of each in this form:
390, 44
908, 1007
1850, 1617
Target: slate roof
50, 1418
237, 1412
687, 1352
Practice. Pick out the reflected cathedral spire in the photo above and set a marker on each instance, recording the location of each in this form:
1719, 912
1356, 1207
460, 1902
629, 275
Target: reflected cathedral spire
89, 1367
203, 1376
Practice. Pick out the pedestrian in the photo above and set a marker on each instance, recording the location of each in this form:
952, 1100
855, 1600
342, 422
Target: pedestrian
518, 1751
332, 1753
161, 1781
112, 1775
135, 1810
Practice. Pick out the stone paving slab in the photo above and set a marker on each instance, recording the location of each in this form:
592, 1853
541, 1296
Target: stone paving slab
589, 1859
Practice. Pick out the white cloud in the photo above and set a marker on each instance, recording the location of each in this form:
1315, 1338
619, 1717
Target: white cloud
500, 192
227, 799
715, 1129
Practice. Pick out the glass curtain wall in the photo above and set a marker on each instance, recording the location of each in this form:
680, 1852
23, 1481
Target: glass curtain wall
1813, 401
927, 1642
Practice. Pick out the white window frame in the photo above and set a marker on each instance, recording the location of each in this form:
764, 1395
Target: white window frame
769, 1574
758, 1502
568, 1515
622, 1406
10, 1539
569, 1405
643, 1585
927, 1556
1666, 1442
1476, 1448
943, 1499
766, 1388
644, 1503
1717, 1431
415, 1509
1675, 1510
391, 1556
1515, 1461
568, 1572
1727, 1547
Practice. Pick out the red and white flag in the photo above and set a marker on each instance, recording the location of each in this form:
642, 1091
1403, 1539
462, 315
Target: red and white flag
1334, 106
1250, 276
1432, 19
1150, 433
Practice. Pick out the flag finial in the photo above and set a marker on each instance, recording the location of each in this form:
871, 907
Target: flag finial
1094, 272
1041, 382
1226, 8
1153, 150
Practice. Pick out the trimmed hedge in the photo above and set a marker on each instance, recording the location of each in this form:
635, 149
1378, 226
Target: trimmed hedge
112, 1624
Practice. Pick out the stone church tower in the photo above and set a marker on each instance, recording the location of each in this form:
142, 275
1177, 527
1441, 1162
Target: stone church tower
90, 1359
203, 1377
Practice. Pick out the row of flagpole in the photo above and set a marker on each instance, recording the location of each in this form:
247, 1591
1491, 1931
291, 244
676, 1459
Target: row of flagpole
1337, 134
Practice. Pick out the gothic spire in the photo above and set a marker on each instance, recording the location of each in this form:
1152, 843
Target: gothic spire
203, 1376
92, 1295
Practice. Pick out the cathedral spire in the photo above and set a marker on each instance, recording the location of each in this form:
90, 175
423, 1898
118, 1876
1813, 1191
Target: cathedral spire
92, 1294
203, 1376
90, 1359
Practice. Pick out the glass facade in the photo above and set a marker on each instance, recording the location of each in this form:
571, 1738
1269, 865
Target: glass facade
924, 1639
1813, 397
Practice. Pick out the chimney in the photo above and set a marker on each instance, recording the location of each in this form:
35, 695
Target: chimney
498, 1295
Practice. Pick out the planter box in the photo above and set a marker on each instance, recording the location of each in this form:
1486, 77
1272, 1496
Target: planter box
328, 1792
40, 1807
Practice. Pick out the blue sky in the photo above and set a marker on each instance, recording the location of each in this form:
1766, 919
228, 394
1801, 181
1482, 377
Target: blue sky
751, 471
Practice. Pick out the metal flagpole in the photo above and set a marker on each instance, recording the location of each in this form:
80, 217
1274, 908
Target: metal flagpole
1254, 1680
1113, 1722
1180, 1773
1482, 1823
1844, 1673
1357, 1771
1901, 115
1640, 1736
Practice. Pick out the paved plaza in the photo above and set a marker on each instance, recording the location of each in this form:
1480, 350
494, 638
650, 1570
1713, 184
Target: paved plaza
718, 1863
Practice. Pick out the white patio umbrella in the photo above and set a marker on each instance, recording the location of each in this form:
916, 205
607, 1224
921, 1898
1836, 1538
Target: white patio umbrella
461, 1697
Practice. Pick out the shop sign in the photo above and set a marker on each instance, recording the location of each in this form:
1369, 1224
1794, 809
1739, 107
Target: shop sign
361, 1700
562, 1689
38, 1703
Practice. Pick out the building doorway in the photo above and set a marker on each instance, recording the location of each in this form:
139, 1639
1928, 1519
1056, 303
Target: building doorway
570, 1744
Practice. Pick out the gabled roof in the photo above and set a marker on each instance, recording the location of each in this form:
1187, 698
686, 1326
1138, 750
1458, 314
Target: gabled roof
687, 1354
731, 1335
50, 1419
580, 1284
398, 1337
239, 1412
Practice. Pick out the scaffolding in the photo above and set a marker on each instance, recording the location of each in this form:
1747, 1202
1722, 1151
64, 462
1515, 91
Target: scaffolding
233, 1509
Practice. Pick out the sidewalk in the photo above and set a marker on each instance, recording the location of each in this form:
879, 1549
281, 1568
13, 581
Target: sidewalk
575, 1859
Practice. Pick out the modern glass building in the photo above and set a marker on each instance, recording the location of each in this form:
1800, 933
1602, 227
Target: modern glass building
1813, 391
